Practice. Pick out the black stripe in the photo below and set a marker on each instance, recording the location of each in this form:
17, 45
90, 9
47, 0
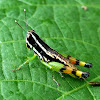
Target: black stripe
68, 56
28, 46
35, 45
85, 74
77, 62
74, 72
32, 41
62, 69
47, 48
88, 65
41, 41
38, 48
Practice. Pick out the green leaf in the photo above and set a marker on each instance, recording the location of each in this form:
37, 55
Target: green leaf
66, 27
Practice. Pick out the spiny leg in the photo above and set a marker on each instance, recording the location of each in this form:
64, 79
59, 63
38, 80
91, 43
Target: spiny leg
74, 72
78, 62
61, 74
54, 78
55, 81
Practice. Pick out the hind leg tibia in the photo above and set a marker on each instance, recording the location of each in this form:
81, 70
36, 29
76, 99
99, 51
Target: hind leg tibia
78, 62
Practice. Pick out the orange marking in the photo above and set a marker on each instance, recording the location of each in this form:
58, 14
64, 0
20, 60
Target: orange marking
68, 70
72, 60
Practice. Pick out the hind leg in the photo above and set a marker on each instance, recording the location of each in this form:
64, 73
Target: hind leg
78, 62
74, 72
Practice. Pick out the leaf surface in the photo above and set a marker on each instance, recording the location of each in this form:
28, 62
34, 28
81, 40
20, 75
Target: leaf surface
66, 27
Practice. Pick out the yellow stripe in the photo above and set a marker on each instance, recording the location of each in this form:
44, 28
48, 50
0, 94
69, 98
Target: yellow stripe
81, 63
79, 73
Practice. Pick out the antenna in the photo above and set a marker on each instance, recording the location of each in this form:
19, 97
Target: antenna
25, 19
19, 25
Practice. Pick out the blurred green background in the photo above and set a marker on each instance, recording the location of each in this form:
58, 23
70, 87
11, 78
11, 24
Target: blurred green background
67, 27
